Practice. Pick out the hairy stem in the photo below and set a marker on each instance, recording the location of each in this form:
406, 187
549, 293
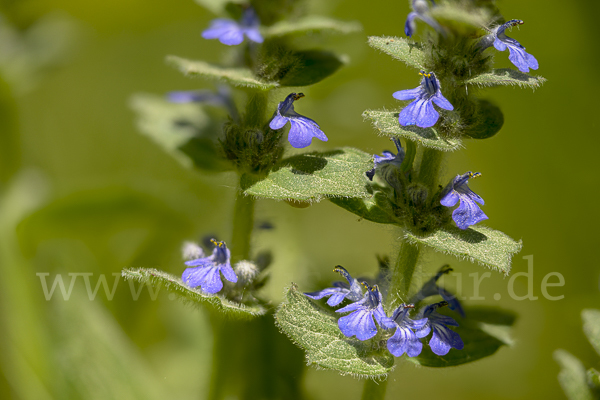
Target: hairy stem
374, 390
255, 109
429, 170
243, 222
402, 274
411, 151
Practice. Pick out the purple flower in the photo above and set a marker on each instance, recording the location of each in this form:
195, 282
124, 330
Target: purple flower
518, 56
360, 321
420, 11
421, 112
340, 290
222, 98
302, 129
232, 32
388, 158
430, 288
405, 340
468, 212
206, 272
443, 338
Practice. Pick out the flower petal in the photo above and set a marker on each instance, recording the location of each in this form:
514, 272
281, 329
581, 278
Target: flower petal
410, 25
468, 213
442, 102
212, 281
254, 35
228, 272
407, 94
453, 302
360, 324
194, 277
499, 45
302, 131
278, 122
420, 112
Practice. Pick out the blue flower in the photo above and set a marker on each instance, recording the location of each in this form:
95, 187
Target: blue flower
360, 321
443, 338
420, 11
430, 288
468, 212
388, 158
340, 290
206, 272
303, 129
421, 112
518, 56
404, 339
231, 32
222, 98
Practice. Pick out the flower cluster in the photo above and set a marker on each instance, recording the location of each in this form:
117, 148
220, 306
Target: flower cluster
302, 129
403, 332
206, 271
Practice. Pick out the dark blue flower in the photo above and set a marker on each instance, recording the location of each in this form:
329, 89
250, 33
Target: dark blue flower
518, 56
360, 321
405, 340
206, 272
222, 98
421, 112
388, 158
443, 338
420, 11
468, 212
431, 288
340, 290
302, 129
232, 32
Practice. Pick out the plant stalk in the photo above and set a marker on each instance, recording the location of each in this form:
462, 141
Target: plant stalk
374, 390
402, 275
243, 222
429, 170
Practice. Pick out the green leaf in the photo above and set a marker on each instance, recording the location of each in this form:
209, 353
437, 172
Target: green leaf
184, 131
310, 25
316, 331
372, 208
484, 330
572, 377
218, 6
486, 246
174, 284
387, 123
407, 51
239, 77
312, 176
591, 327
489, 121
507, 76
310, 67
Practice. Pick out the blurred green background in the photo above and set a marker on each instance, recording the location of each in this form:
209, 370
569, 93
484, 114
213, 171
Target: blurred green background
94, 196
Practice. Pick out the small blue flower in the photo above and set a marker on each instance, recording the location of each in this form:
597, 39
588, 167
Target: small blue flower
404, 339
206, 272
468, 212
340, 291
222, 98
388, 158
232, 32
518, 56
430, 288
360, 321
421, 112
443, 338
302, 129
420, 11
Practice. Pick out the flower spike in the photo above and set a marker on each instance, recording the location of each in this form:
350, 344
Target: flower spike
468, 212
518, 56
206, 272
340, 290
302, 130
421, 112
232, 32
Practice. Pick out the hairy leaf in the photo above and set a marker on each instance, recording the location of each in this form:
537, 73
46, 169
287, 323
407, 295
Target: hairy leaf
486, 246
572, 376
310, 25
313, 176
184, 131
484, 330
387, 123
407, 51
507, 76
239, 77
317, 332
591, 327
372, 208
174, 284
312, 66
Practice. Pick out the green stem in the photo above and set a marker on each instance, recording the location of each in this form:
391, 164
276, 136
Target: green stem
255, 109
374, 390
411, 151
430, 167
402, 275
243, 222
